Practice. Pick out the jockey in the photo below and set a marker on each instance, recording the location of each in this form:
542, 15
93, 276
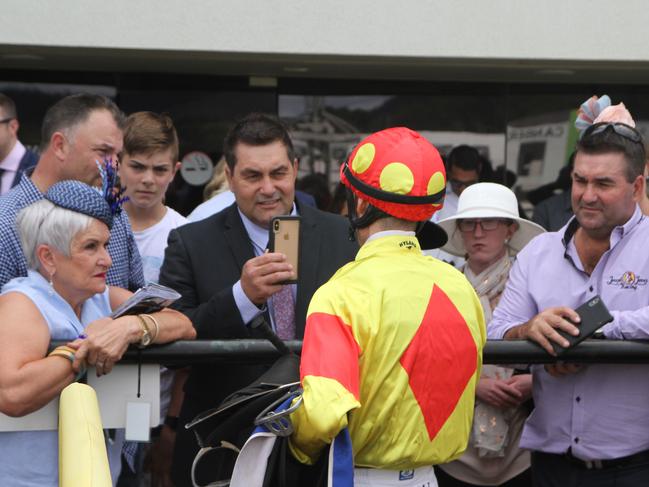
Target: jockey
393, 342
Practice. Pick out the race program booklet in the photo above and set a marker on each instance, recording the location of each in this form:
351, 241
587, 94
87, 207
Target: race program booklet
148, 299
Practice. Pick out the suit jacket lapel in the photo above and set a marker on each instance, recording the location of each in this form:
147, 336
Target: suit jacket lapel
28, 160
237, 238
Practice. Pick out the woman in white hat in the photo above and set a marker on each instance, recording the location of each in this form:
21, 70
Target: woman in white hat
488, 232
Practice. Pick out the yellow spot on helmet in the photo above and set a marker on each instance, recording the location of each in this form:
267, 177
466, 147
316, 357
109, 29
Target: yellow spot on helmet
436, 183
363, 158
396, 177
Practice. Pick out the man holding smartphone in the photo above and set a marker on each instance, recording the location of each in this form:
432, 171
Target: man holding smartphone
590, 424
227, 277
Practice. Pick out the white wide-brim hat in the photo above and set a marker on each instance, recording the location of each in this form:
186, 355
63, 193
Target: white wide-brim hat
488, 200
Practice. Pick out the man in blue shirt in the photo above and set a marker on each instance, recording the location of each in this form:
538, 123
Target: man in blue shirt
77, 131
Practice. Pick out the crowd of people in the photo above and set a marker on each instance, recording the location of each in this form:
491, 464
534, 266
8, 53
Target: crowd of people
404, 271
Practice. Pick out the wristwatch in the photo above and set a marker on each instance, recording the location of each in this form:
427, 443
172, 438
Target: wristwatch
146, 335
171, 422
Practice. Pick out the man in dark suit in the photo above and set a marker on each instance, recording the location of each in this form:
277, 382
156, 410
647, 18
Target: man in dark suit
227, 278
15, 158
554, 212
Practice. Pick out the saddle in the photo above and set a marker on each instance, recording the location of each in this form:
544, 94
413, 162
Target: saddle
221, 432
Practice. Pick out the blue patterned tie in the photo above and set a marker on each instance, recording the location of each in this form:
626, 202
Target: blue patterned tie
284, 313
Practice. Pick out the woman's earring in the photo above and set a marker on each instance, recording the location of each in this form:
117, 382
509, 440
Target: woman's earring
506, 241
51, 290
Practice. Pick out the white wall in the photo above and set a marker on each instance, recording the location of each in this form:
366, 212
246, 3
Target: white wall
442, 29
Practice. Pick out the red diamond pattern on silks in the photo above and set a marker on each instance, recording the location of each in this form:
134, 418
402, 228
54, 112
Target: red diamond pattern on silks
440, 361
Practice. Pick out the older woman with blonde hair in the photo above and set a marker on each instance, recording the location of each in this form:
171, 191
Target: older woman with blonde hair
488, 232
64, 297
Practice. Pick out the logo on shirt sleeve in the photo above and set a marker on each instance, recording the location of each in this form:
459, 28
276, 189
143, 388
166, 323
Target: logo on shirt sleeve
628, 280
406, 474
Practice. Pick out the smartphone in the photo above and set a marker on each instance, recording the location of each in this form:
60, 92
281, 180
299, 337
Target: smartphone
285, 238
594, 315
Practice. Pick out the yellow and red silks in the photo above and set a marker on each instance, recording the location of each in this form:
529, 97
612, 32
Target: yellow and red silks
393, 350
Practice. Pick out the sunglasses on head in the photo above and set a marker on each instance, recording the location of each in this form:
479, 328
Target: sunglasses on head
621, 129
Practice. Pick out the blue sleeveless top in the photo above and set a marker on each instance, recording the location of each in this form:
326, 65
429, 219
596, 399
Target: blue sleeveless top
31, 458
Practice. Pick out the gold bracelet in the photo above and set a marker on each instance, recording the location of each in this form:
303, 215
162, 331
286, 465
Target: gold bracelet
157, 327
62, 351
146, 333
65, 348
67, 352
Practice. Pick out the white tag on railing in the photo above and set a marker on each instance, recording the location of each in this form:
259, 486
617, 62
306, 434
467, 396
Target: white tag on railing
137, 421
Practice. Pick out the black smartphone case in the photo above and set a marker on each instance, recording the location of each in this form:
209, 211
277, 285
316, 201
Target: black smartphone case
594, 314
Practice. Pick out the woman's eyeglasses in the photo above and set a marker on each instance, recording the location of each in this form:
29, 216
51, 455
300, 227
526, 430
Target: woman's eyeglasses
487, 225
621, 129
459, 186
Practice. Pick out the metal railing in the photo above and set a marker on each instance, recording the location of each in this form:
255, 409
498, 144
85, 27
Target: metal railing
495, 352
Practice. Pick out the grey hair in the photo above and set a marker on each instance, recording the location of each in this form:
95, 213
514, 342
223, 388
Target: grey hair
43, 222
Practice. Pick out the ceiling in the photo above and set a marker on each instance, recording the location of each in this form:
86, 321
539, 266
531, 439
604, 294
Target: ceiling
323, 66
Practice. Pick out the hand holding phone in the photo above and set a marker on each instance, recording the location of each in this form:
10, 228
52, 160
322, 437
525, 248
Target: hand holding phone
264, 275
594, 315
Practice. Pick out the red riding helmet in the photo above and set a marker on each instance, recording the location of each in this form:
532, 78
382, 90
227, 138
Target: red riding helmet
399, 172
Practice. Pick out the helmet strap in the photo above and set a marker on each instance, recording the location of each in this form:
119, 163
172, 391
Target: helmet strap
350, 198
355, 222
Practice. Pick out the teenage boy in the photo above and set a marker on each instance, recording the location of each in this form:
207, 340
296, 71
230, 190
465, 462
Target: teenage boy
148, 165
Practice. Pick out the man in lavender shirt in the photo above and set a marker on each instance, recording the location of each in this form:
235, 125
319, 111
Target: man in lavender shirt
15, 158
590, 425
